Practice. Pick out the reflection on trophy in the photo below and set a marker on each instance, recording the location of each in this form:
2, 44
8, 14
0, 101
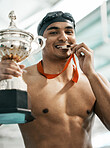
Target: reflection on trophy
15, 44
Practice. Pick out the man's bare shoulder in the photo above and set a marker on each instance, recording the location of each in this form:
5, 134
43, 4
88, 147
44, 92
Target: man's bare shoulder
82, 78
31, 74
31, 70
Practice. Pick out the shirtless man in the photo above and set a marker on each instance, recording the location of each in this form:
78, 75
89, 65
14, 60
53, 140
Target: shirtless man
63, 106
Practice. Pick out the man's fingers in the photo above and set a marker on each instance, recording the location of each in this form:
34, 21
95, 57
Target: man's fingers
11, 72
82, 49
8, 62
82, 45
9, 68
5, 76
73, 48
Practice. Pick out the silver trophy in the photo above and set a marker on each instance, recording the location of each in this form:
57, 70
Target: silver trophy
16, 45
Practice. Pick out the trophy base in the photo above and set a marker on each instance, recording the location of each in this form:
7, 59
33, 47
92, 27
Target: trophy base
15, 118
13, 107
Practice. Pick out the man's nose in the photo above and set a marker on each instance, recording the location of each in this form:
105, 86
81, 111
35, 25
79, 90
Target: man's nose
63, 37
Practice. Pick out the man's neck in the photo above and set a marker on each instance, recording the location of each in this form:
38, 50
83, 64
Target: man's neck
56, 66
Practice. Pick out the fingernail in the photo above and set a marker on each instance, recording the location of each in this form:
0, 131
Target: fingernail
19, 74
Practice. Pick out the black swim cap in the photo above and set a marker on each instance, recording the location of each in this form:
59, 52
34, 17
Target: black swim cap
52, 17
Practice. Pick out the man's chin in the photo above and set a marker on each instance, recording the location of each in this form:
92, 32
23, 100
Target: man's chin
64, 56
67, 55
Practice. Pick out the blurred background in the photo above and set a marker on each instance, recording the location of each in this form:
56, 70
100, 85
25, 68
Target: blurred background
92, 27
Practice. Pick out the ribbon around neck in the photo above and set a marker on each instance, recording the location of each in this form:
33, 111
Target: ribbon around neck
51, 76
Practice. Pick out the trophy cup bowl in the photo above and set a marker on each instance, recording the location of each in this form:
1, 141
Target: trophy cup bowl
15, 44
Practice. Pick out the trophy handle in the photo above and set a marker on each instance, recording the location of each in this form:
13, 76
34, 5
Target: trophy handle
40, 46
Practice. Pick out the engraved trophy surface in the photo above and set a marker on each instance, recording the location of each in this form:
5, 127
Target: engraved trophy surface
15, 44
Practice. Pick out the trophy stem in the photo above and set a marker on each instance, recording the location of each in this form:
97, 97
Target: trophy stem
4, 85
14, 83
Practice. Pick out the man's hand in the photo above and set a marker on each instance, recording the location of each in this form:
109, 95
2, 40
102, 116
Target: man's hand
9, 68
85, 57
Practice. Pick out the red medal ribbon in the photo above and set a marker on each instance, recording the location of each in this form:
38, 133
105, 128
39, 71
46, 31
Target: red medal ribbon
51, 76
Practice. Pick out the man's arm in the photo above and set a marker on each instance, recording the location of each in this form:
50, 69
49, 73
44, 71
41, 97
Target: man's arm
99, 85
101, 89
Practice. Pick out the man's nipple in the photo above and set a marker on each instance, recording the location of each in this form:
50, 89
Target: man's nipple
45, 110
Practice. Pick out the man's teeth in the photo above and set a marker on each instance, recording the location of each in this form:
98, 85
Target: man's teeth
63, 47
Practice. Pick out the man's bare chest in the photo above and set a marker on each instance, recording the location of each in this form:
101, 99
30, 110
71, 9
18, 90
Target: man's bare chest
55, 99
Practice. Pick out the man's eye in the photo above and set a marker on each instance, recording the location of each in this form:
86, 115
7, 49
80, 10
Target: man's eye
54, 32
69, 32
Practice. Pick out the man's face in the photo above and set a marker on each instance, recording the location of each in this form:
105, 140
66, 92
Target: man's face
60, 35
